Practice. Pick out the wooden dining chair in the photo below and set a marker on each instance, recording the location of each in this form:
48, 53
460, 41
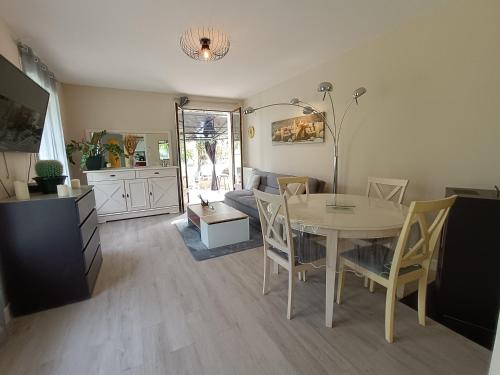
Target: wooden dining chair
377, 185
290, 186
273, 210
389, 189
403, 265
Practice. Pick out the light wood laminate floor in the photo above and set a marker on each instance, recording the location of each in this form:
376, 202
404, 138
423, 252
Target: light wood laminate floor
157, 311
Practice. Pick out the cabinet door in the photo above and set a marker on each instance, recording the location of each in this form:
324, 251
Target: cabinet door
163, 192
110, 197
137, 194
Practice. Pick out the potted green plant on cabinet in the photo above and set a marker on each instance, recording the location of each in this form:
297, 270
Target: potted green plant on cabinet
92, 151
50, 174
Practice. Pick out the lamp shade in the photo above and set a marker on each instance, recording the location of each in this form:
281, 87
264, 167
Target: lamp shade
204, 43
307, 110
358, 92
325, 87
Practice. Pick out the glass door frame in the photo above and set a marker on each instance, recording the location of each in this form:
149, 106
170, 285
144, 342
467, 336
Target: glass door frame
239, 125
183, 159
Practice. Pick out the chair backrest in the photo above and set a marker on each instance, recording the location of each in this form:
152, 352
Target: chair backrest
421, 252
290, 186
273, 213
377, 184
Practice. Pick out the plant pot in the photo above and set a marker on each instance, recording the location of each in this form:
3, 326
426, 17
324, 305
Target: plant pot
48, 185
94, 163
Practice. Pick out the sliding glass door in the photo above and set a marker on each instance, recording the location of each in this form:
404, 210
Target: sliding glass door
210, 151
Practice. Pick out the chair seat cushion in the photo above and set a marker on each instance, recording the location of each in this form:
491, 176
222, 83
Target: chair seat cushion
307, 250
375, 258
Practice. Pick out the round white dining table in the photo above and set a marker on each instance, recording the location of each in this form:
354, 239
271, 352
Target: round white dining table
354, 216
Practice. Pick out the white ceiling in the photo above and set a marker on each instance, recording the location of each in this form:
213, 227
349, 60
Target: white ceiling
134, 44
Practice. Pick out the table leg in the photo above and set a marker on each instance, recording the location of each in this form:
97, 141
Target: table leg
331, 269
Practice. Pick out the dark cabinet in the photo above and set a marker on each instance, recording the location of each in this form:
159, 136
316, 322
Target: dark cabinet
467, 287
50, 250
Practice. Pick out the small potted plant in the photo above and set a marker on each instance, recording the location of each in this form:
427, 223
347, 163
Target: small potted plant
92, 151
50, 174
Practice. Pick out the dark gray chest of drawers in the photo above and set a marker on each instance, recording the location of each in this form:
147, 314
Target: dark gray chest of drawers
50, 252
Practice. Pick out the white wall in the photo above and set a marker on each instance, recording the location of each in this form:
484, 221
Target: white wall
430, 114
86, 107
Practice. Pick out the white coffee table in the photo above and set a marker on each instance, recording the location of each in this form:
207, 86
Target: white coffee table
219, 224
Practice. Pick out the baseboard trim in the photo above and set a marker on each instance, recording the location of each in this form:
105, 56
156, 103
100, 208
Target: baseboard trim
134, 214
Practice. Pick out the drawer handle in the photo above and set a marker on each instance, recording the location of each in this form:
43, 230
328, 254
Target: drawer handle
157, 172
112, 175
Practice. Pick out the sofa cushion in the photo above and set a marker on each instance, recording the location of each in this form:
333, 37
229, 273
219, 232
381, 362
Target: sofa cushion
377, 259
269, 182
254, 182
236, 194
242, 200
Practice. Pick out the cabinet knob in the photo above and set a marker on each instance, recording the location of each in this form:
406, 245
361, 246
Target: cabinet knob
128, 195
123, 195
150, 193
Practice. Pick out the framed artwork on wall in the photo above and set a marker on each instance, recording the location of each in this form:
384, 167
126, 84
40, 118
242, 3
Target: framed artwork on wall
303, 129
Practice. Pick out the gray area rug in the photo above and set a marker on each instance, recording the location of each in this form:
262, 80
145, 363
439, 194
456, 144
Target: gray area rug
191, 236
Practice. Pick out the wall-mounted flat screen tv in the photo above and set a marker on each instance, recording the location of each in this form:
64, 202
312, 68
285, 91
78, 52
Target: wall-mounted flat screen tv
23, 105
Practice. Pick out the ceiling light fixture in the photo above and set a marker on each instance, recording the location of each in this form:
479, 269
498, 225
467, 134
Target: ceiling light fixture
204, 43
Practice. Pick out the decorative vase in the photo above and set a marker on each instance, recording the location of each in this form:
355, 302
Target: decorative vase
94, 163
48, 185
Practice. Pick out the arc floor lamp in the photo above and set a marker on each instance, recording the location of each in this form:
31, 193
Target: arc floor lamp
326, 88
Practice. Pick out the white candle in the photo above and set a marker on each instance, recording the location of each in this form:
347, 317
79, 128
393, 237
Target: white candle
62, 191
75, 183
21, 190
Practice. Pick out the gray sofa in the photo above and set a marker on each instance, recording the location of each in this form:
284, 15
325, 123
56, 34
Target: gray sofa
244, 201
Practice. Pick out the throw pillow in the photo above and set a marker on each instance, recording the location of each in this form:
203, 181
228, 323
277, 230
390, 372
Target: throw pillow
254, 182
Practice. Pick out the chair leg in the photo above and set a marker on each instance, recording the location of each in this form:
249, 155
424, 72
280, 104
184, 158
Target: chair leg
267, 274
340, 282
276, 268
400, 292
291, 283
366, 282
390, 302
299, 274
372, 286
422, 296
304, 273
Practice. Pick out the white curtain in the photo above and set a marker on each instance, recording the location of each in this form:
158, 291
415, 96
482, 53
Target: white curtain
52, 145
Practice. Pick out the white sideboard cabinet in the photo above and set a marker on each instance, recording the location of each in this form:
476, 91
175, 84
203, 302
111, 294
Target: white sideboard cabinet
125, 193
